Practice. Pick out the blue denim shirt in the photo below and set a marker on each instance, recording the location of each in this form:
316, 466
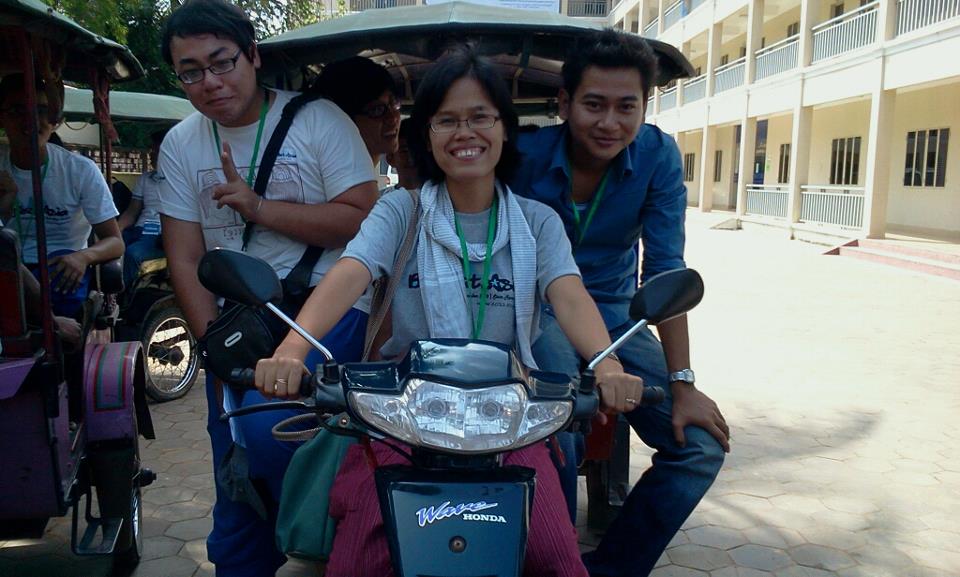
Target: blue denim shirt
645, 199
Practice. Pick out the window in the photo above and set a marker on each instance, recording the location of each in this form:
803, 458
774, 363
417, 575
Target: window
845, 161
793, 29
697, 72
836, 10
926, 158
717, 165
688, 160
743, 51
783, 173
724, 59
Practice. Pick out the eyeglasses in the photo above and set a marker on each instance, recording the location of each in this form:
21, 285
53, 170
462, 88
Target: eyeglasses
448, 124
194, 75
20, 110
380, 109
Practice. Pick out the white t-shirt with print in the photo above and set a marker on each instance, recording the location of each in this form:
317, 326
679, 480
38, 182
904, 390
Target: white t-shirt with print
75, 196
321, 157
147, 191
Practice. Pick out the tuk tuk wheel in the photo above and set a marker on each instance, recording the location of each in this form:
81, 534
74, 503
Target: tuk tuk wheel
170, 351
116, 475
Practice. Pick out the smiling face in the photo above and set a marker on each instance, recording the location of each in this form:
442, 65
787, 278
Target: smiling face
467, 153
379, 124
604, 114
231, 99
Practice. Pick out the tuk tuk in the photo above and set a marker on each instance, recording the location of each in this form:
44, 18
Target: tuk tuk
69, 419
529, 47
148, 311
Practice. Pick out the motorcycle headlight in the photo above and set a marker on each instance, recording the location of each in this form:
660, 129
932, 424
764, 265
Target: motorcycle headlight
450, 418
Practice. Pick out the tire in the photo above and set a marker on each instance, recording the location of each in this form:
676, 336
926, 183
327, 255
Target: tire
170, 353
116, 477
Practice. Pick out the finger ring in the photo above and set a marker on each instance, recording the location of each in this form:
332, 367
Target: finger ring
631, 401
279, 382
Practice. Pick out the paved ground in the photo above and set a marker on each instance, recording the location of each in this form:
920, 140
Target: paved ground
839, 379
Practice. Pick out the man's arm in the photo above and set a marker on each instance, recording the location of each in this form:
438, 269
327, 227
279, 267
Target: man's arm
184, 245
69, 269
130, 215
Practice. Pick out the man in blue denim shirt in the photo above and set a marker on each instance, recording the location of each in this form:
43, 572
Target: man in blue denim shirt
615, 181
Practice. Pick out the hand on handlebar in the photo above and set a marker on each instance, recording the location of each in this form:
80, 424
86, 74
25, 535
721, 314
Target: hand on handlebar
619, 391
280, 376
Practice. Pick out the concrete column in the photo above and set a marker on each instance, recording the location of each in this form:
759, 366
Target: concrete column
564, 6
877, 181
799, 157
805, 47
707, 163
748, 149
886, 20
713, 54
661, 6
754, 34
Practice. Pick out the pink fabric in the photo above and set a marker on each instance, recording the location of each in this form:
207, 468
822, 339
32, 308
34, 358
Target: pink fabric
360, 546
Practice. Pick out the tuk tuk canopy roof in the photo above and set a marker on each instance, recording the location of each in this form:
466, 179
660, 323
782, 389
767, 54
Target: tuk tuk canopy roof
127, 106
528, 45
82, 46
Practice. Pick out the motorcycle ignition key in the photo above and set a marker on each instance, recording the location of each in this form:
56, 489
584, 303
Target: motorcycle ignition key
458, 544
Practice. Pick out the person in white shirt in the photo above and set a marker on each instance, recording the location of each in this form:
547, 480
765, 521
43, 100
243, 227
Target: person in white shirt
140, 222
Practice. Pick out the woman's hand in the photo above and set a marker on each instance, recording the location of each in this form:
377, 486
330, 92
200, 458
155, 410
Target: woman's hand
619, 391
280, 375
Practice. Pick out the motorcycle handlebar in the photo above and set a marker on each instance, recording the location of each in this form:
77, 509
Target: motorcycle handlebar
328, 395
244, 379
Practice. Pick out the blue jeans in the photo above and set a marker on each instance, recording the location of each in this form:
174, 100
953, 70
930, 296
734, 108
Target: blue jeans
140, 248
241, 543
671, 488
65, 304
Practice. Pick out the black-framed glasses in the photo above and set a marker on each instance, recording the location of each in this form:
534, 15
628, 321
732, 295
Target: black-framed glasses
194, 75
379, 109
448, 124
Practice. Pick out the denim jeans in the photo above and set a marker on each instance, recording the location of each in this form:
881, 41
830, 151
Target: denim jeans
140, 248
65, 304
242, 544
671, 488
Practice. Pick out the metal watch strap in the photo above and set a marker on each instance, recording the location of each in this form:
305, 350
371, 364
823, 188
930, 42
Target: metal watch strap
685, 375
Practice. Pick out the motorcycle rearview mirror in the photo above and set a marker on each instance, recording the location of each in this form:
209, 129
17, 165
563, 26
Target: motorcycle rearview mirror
663, 297
247, 280
239, 277
667, 295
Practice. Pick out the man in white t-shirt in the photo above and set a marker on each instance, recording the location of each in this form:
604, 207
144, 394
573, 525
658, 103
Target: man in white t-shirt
76, 199
320, 189
140, 222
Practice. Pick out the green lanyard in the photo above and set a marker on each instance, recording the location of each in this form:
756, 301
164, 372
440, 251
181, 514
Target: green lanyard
256, 144
467, 269
581, 232
18, 208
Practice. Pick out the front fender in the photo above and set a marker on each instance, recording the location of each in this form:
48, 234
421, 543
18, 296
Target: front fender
116, 403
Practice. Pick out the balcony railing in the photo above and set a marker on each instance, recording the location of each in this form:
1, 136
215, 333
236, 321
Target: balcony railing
694, 4
587, 8
668, 99
695, 88
650, 102
361, 5
778, 57
846, 32
729, 75
836, 205
673, 14
767, 200
650, 30
914, 14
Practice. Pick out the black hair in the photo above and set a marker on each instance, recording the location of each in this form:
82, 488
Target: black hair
461, 63
158, 136
406, 127
217, 17
609, 48
17, 83
353, 82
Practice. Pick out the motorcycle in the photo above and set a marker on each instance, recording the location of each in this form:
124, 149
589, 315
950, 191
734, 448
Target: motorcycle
460, 405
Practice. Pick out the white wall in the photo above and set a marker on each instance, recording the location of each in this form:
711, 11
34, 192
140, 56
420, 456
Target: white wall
690, 142
779, 131
926, 208
723, 197
841, 121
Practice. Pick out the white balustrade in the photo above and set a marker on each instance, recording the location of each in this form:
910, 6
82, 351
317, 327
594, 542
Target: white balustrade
729, 75
767, 200
650, 30
668, 99
846, 32
836, 205
673, 14
914, 14
361, 5
694, 4
587, 8
695, 89
778, 57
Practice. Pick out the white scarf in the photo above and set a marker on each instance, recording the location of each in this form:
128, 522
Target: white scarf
441, 272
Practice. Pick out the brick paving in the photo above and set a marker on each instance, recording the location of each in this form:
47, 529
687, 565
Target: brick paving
839, 379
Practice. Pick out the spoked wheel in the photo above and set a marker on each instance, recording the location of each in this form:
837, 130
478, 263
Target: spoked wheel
172, 358
117, 478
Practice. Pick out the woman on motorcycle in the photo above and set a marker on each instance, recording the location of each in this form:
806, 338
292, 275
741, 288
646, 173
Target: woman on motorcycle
464, 130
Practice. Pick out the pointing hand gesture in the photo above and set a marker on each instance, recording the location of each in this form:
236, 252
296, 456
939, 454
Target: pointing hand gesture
235, 193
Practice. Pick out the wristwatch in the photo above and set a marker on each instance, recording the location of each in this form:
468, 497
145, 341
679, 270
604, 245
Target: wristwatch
686, 375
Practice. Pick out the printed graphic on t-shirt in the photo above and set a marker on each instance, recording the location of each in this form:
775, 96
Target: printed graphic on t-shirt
500, 294
285, 185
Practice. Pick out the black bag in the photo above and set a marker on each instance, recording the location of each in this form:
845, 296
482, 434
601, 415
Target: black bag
242, 335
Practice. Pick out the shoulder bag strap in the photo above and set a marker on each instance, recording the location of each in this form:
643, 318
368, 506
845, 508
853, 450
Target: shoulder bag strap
384, 288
